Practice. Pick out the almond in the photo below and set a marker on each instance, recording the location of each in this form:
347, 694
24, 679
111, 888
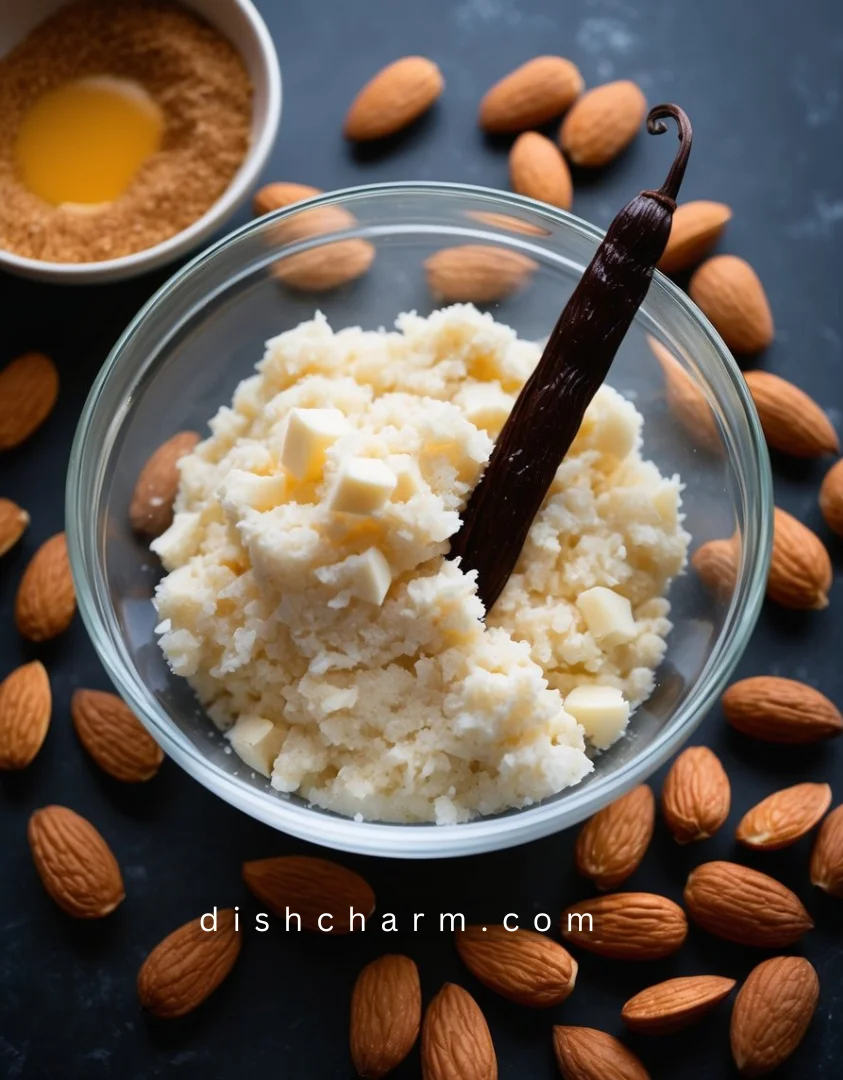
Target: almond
781, 710
151, 508
728, 291
685, 399
696, 795
477, 273
29, 387
114, 737
800, 568
831, 498
696, 228
277, 195
507, 223
538, 170
827, 855
534, 93
303, 223
456, 1044
626, 925
792, 422
46, 598
75, 864
311, 888
588, 1054
526, 967
612, 844
602, 123
396, 96
188, 966
385, 1015
783, 817
717, 563
672, 1005
326, 266
772, 1012
745, 906
13, 523
26, 705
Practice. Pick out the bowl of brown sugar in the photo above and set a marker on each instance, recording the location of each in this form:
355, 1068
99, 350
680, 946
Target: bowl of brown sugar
130, 130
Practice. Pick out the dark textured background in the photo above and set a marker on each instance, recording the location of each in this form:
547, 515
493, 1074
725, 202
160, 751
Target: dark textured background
762, 84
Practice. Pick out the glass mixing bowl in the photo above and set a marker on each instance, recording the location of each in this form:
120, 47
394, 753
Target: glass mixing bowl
188, 348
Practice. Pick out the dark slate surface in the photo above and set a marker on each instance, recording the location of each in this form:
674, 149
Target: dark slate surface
762, 83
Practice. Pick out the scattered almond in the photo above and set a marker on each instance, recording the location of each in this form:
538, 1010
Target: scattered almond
831, 498
626, 925
611, 845
528, 97
310, 888
507, 223
385, 1015
781, 710
114, 737
477, 273
396, 96
716, 562
602, 123
745, 906
29, 386
26, 705
277, 195
783, 817
772, 1012
728, 291
46, 598
456, 1044
685, 399
526, 967
792, 422
188, 966
304, 223
800, 569
75, 864
696, 795
696, 228
672, 1005
588, 1054
827, 855
151, 508
13, 523
327, 266
538, 170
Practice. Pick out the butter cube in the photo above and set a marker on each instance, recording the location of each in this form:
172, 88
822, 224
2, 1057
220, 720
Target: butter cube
309, 434
370, 576
244, 489
485, 405
608, 615
363, 486
602, 712
257, 741
175, 546
408, 479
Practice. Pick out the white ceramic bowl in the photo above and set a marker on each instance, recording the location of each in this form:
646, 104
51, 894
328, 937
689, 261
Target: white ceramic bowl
240, 22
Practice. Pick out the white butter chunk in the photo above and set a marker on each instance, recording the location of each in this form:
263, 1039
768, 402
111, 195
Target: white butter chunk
369, 576
180, 541
309, 434
242, 489
608, 615
408, 479
258, 742
485, 405
363, 486
602, 712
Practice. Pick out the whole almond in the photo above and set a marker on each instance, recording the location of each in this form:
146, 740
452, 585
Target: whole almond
611, 845
29, 386
114, 737
696, 795
672, 1005
588, 1054
685, 399
717, 563
396, 96
792, 422
728, 291
538, 170
781, 710
531, 95
316, 221
188, 966
800, 568
528, 968
783, 817
602, 123
151, 508
745, 906
626, 925
277, 195
827, 855
46, 598
75, 864
831, 498
26, 705
695, 230
13, 523
455, 1043
385, 1015
477, 273
310, 888
772, 1012
327, 266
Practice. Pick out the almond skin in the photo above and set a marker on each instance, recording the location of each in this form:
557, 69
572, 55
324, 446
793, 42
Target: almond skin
151, 508
279, 194
29, 386
772, 1012
534, 93
745, 906
831, 498
385, 1015
13, 523
685, 399
538, 170
602, 123
305, 222
783, 817
75, 864
729, 292
528, 968
46, 599
800, 569
455, 1043
188, 966
791, 420
477, 273
696, 228
827, 855
696, 796
114, 737
396, 96
627, 926
310, 888
611, 845
675, 1004
588, 1054
781, 710
327, 266
716, 562
26, 705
